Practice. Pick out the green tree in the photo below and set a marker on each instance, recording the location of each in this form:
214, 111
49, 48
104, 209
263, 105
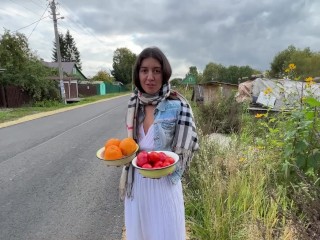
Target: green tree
62, 48
23, 68
307, 62
194, 72
233, 73
103, 75
213, 72
175, 81
68, 49
123, 61
280, 61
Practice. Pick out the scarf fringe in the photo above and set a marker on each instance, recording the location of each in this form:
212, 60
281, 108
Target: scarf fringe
185, 156
122, 184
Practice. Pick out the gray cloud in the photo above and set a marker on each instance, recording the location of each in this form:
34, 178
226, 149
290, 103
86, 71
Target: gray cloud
230, 32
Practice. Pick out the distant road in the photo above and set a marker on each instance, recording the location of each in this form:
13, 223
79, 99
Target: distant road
51, 184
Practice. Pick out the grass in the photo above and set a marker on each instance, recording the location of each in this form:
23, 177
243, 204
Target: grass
239, 192
10, 114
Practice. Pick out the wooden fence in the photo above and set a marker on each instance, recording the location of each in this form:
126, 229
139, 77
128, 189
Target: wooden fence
13, 96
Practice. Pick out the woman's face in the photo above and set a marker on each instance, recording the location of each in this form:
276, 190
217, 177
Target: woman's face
150, 75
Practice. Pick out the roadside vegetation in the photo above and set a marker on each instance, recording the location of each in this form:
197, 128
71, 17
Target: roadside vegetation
10, 114
265, 183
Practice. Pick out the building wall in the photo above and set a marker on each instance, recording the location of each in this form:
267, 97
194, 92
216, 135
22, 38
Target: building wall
213, 92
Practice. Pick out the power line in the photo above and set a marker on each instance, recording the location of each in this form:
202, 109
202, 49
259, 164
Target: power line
38, 21
80, 25
24, 7
37, 4
31, 23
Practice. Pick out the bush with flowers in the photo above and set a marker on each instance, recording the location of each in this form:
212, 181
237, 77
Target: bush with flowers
265, 186
293, 137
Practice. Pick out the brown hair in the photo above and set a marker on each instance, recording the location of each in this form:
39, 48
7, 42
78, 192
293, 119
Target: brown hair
157, 54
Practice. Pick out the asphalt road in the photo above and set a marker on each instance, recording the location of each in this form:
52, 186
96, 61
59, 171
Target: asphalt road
51, 184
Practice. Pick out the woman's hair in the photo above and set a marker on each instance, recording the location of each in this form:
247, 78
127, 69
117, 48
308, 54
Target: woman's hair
157, 54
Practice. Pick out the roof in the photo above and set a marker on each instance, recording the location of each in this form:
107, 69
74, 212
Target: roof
218, 83
91, 82
66, 66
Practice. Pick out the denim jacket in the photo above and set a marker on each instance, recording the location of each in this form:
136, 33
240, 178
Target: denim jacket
165, 121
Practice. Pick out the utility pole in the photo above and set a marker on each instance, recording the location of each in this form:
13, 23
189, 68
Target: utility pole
62, 90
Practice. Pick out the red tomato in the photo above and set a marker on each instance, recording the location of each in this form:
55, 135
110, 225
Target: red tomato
147, 165
166, 164
158, 164
142, 158
162, 156
170, 160
153, 157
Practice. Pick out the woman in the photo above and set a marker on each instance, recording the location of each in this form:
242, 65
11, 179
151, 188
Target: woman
158, 119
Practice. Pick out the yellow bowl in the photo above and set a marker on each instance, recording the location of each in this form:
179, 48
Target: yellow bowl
118, 162
158, 172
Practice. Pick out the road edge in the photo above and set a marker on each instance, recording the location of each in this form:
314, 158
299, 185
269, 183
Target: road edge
48, 113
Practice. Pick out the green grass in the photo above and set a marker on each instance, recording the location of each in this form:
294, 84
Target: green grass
10, 114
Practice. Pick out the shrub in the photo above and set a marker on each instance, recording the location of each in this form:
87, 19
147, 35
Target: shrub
223, 116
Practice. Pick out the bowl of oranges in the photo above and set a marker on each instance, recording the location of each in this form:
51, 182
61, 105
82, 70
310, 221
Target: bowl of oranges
118, 152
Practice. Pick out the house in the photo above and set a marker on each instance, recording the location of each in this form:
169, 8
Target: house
92, 88
213, 91
71, 75
189, 80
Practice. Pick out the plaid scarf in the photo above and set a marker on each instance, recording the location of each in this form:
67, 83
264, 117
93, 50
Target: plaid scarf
185, 141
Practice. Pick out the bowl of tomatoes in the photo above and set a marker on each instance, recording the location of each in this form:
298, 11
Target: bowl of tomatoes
155, 164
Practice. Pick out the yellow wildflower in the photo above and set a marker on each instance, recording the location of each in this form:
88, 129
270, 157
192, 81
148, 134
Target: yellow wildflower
267, 91
308, 84
292, 66
260, 115
242, 159
309, 79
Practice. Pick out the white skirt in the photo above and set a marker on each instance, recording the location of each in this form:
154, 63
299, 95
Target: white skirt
156, 211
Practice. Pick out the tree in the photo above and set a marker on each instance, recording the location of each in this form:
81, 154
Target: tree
279, 62
68, 49
213, 72
175, 81
123, 61
193, 71
307, 62
62, 48
233, 73
23, 68
103, 75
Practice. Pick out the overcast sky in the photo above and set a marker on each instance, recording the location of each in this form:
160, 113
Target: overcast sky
190, 32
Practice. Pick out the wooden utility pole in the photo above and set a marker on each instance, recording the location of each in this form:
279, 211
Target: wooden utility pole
62, 90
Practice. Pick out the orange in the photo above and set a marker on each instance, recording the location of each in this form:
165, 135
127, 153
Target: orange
128, 146
112, 141
112, 152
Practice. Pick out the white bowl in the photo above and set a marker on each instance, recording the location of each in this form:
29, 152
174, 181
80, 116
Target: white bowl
118, 162
158, 172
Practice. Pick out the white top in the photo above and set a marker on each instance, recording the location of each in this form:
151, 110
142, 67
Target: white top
146, 141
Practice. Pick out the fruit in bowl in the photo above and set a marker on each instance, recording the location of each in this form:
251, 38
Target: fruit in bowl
118, 152
155, 164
